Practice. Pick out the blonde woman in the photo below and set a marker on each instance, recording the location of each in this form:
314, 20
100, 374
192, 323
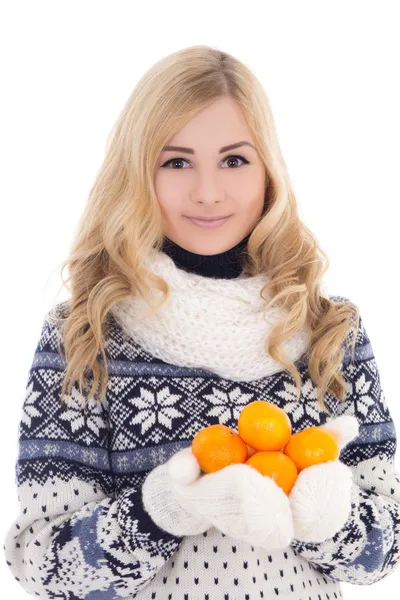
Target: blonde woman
174, 324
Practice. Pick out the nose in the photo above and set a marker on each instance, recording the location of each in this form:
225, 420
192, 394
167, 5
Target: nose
207, 190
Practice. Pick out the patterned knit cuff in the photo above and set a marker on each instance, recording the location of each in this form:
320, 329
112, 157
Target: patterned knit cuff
137, 527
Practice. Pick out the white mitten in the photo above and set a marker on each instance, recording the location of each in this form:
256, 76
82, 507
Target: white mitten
238, 500
345, 428
241, 503
321, 496
161, 503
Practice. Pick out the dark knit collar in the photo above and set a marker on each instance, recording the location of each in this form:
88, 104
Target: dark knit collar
226, 265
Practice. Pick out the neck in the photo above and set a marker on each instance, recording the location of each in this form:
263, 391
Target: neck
225, 265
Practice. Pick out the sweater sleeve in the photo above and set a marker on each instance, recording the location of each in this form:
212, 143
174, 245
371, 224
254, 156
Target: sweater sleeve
367, 548
74, 537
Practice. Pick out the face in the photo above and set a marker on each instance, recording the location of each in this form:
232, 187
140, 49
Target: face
215, 181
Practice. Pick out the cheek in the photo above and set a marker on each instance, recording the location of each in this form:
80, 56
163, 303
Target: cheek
250, 199
256, 195
250, 186
169, 201
169, 189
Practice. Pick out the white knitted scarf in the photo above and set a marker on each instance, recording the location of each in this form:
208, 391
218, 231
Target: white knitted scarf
219, 325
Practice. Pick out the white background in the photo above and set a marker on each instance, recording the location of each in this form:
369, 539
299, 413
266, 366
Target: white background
331, 71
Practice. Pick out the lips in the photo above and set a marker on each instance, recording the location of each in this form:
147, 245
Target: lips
208, 220
207, 224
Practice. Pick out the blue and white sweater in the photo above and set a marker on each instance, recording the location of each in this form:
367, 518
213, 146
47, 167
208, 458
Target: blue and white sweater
82, 532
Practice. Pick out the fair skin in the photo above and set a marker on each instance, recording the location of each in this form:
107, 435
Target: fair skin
212, 183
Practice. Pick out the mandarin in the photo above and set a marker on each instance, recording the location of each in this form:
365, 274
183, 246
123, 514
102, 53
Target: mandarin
312, 446
218, 446
264, 426
276, 465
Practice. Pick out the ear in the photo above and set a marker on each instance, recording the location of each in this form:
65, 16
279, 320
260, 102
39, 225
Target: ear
345, 428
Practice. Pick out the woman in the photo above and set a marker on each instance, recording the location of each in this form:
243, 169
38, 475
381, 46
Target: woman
112, 501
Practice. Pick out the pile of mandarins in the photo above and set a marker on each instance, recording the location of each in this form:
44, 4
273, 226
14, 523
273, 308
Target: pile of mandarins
265, 442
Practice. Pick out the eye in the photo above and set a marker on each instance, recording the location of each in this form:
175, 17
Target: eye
236, 157
173, 160
180, 160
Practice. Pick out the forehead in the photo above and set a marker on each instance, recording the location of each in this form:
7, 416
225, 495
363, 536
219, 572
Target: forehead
219, 125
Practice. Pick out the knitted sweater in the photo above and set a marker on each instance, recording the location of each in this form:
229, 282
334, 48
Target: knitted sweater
82, 532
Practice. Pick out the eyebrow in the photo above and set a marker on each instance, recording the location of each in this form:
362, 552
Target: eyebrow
191, 151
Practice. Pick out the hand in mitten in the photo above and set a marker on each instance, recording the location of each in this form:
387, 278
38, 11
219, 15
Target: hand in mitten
238, 501
161, 503
321, 496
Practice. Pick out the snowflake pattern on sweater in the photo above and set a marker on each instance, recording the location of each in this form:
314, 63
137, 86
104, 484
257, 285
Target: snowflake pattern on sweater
82, 532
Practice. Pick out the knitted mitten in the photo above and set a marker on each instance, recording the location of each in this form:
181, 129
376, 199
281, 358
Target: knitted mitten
321, 496
237, 499
241, 503
161, 503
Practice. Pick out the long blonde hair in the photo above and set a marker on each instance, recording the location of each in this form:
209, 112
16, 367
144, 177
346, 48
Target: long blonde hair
122, 223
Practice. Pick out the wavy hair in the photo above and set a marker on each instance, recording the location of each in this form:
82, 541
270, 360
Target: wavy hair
122, 223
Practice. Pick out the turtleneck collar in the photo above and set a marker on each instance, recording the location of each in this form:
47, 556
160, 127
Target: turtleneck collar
225, 265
